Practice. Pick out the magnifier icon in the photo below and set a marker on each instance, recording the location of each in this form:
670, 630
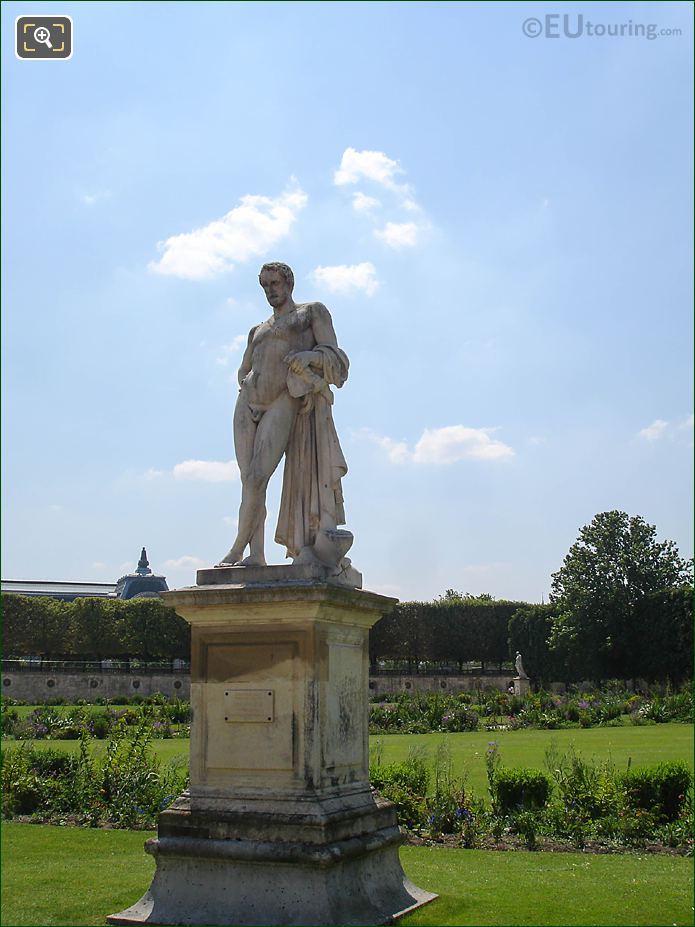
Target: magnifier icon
43, 36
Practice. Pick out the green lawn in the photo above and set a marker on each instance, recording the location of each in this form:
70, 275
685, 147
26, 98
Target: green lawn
645, 745
60, 875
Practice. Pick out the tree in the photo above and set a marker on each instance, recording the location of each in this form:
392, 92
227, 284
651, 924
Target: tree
666, 620
153, 631
95, 628
614, 565
35, 625
529, 632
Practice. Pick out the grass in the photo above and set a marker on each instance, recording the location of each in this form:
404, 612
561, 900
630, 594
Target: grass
646, 746
70, 875
59, 875
481, 887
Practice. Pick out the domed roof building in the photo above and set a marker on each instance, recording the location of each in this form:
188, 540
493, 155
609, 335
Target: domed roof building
142, 584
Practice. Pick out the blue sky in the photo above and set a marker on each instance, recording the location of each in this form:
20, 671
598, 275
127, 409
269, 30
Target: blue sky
501, 226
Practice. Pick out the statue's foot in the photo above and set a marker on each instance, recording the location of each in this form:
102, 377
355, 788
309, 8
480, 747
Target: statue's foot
230, 559
252, 561
234, 559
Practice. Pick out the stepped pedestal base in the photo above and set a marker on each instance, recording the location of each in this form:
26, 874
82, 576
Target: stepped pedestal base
206, 875
280, 825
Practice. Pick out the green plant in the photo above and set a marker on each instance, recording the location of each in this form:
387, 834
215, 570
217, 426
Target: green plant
447, 810
586, 789
405, 784
661, 790
492, 767
525, 824
527, 789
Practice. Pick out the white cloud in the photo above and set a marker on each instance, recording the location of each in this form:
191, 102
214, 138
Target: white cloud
230, 520
209, 471
363, 203
672, 431
654, 431
153, 474
98, 565
396, 451
456, 442
377, 167
90, 199
372, 165
444, 446
227, 351
247, 231
186, 562
346, 278
398, 234
410, 204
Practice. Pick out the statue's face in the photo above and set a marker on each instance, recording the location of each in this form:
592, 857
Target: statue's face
275, 286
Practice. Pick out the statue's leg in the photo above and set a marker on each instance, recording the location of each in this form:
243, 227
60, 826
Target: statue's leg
244, 438
257, 542
270, 441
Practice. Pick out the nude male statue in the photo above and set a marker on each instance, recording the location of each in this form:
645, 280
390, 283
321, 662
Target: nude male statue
284, 407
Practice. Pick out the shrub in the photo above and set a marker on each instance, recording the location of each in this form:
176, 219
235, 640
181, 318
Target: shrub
516, 789
127, 789
660, 790
405, 784
157, 698
448, 810
178, 711
9, 719
422, 712
98, 724
525, 823
587, 790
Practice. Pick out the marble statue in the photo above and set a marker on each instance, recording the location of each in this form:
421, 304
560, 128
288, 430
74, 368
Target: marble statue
284, 408
521, 672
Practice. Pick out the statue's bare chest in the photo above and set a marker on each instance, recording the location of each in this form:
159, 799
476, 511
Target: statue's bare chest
281, 336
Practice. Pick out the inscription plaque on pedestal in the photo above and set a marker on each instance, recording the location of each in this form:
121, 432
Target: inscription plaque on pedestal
248, 706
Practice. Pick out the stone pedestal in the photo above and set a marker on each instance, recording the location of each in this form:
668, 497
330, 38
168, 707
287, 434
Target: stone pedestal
280, 825
522, 685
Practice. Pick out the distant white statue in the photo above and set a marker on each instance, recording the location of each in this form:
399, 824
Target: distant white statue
521, 672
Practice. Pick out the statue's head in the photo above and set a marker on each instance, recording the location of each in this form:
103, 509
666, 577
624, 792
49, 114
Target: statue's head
277, 268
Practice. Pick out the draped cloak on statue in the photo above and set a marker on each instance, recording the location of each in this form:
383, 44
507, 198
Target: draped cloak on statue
312, 494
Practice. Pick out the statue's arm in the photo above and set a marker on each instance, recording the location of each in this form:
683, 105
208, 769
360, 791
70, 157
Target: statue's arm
245, 368
322, 330
322, 325
326, 358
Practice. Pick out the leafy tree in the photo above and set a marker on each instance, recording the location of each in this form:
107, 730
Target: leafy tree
145, 628
35, 625
666, 623
152, 631
614, 565
529, 632
95, 628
